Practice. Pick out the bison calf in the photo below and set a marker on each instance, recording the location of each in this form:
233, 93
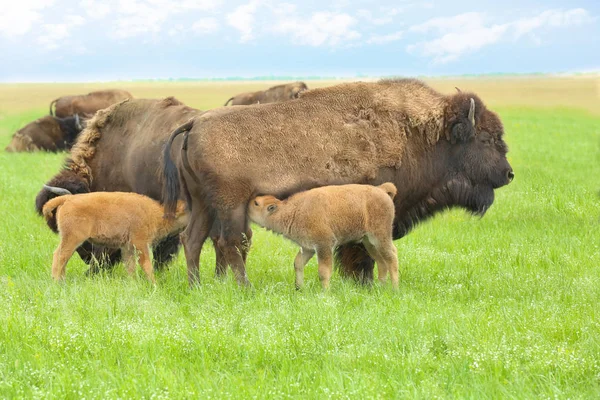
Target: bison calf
323, 218
129, 221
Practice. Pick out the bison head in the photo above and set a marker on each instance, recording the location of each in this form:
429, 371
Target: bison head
70, 127
298, 88
477, 153
65, 179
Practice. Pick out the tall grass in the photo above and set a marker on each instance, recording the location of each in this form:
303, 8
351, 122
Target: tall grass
503, 306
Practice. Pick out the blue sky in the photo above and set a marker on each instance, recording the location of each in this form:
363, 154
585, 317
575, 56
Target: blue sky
88, 40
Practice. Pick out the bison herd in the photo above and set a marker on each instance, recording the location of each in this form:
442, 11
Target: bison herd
303, 163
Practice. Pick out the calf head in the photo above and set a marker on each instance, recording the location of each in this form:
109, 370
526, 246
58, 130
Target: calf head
261, 208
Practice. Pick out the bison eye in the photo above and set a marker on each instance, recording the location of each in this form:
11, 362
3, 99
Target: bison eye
255, 202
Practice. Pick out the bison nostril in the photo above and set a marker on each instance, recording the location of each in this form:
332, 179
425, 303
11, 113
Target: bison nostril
510, 175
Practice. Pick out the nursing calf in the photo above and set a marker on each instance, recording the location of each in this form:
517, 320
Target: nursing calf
129, 221
323, 218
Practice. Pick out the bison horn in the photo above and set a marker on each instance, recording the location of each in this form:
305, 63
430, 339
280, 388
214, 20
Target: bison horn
56, 190
472, 112
77, 123
457, 89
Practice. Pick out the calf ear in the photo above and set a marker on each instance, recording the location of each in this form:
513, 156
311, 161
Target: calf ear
464, 128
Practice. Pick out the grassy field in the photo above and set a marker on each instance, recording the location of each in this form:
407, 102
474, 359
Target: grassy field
500, 307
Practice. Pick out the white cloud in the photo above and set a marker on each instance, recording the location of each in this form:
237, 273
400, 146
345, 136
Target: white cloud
140, 17
18, 17
96, 9
55, 34
205, 26
383, 39
469, 32
242, 19
368, 16
323, 28
553, 19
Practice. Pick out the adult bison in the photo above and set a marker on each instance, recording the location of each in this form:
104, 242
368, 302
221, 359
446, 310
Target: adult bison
120, 150
87, 103
47, 133
288, 91
440, 151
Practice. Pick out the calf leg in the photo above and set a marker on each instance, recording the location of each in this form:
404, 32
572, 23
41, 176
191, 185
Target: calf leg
129, 258
234, 241
145, 261
325, 257
302, 258
385, 254
62, 254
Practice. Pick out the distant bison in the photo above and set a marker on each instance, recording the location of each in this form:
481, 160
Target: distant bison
47, 133
441, 151
88, 103
275, 94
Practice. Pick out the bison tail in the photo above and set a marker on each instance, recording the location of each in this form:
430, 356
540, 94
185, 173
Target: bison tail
389, 188
51, 104
49, 212
227, 102
171, 187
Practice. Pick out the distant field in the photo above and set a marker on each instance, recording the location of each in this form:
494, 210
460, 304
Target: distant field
500, 307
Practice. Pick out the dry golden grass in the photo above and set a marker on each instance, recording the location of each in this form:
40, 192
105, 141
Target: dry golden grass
575, 92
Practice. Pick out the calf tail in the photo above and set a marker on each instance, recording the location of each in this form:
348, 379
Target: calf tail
49, 211
51, 104
389, 188
227, 102
171, 187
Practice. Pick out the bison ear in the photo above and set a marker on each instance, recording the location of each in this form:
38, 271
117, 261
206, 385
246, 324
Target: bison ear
464, 129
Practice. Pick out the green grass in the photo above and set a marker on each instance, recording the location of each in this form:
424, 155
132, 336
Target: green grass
500, 307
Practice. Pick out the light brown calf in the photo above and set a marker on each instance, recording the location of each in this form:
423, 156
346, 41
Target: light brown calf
321, 219
129, 221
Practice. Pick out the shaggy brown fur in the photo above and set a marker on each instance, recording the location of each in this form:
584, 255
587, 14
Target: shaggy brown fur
275, 94
128, 221
393, 130
120, 150
320, 219
46, 133
88, 103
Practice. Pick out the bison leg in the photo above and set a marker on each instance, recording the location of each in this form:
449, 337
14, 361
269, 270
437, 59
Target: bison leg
354, 262
193, 238
234, 241
165, 251
221, 263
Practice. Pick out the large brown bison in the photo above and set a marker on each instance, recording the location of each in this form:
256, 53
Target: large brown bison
47, 133
288, 91
87, 103
120, 150
440, 151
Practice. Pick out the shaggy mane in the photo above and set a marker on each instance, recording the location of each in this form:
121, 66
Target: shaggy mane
84, 149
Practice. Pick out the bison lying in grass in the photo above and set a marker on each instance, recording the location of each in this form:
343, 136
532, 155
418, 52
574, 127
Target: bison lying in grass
47, 133
128, 221
87, 103
441, 151
275, 94
322, 218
